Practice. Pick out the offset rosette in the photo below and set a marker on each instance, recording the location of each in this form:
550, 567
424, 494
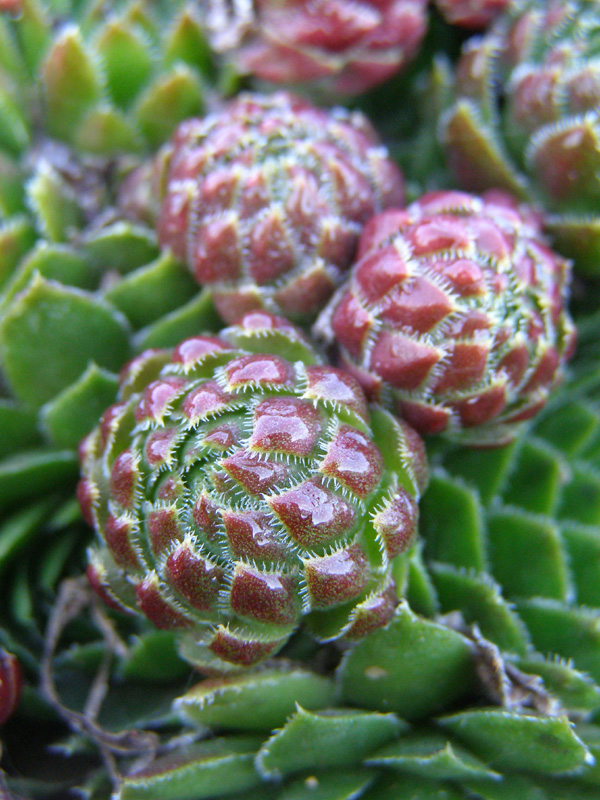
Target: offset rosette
526, 117
337, 46
455, 315
239, 485
265, 201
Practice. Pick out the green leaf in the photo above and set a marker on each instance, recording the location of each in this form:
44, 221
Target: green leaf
480, 600
153, 291
508, 740
187, 42
431, 756
121, 246
212, 769
484, 469
105, 131
451, 523
413, 666
154, 657
72, 414
572, 633
34, 32
583, 547
18, 428
196, 316
126, 59
71, 81
483, 159
16, 237
338, 785
419, 591
54, 202
579, 238
56, 262
324, 740
50, 335
412, 787
574, 689
11, 187
526, 555
35, 472
535, 480
167, 102
569, 429
14, 134
581, 496
20, 528
260, 701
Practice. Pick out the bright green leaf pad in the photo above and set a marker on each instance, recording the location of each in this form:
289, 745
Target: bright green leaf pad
511, 741
431, 756
324, 740
260, 701
413, 667
210, 769
51, 334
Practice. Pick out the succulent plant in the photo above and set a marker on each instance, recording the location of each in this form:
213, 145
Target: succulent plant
526, 115
82, 286
334, 46
235, 491
479, 703
104, 78
473, 14
454, 315
265, 201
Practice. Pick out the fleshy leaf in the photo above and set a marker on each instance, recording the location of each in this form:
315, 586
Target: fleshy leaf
166, 103
55, 205
72, 414
197, 315
568, 632
526, 555
480, 600
71, 81
50, 335
261, 701
153, 291
16, 237
325, 740
35, 472
507, 740
18, 428
210, 769
535, 480
154, 657
451, 523
121, 246
431, 756
413, 666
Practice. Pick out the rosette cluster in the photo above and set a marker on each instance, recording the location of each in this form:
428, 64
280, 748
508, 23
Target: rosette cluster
265, 201
239, 485
455, 315
526, 116
341, 46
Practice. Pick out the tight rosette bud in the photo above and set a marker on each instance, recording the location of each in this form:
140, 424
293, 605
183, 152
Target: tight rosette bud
265, 201
454, 315
11, 684
340, 46
526, 117
239, 485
